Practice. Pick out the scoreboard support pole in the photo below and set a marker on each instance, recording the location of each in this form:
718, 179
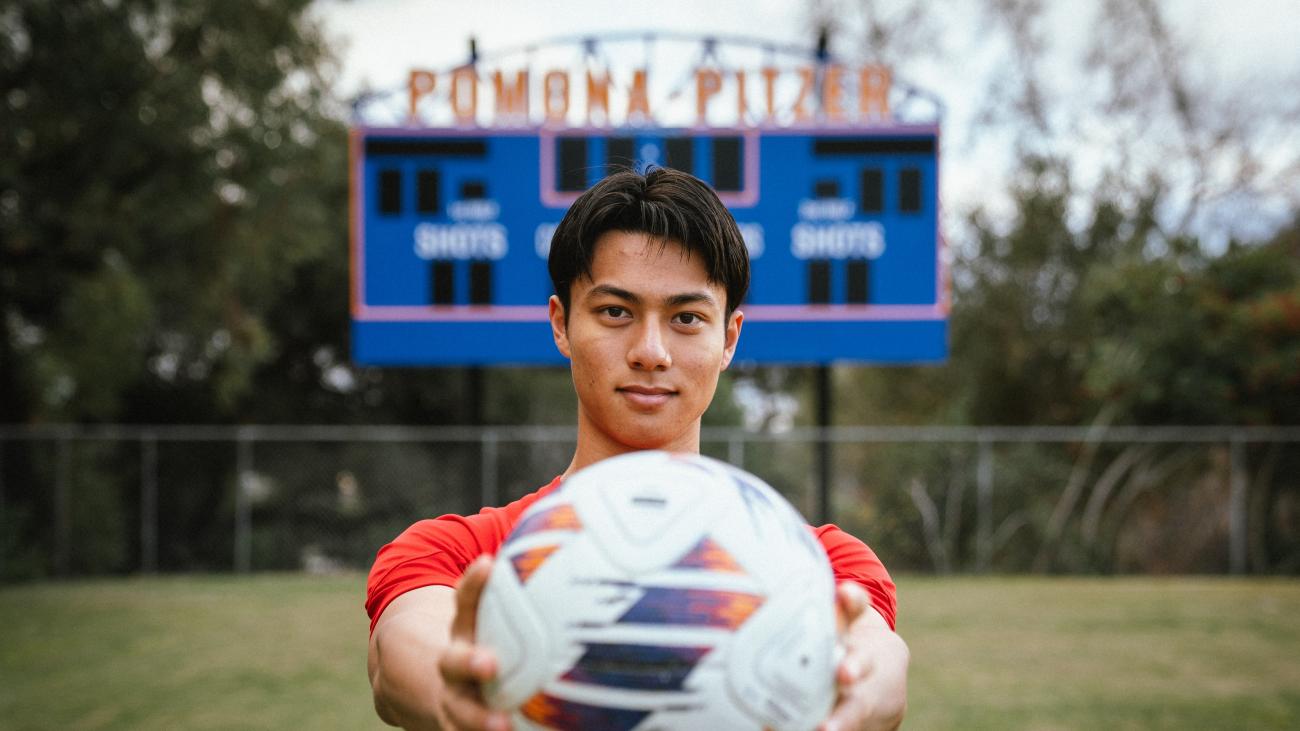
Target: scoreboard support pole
474, 404
489, 446
825, 513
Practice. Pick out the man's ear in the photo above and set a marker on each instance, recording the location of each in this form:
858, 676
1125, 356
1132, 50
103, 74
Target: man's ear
732, 338
559, 328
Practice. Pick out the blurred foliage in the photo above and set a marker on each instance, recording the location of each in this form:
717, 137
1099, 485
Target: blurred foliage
167, 169
173, 202
1108, 322
173, 249
1212, 340
1114, 320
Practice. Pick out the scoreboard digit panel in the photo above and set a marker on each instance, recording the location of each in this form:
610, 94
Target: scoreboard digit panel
450, 232
852, 221
439, 223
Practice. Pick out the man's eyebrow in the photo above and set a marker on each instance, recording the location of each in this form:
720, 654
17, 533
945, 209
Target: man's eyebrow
676, 300
609, 290
691, 298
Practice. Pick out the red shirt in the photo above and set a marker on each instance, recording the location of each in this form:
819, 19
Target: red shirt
436, 552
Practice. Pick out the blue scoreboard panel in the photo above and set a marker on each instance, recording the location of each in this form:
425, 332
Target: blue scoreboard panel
451, 228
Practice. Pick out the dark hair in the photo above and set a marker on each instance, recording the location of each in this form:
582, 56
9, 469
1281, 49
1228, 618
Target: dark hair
667, 204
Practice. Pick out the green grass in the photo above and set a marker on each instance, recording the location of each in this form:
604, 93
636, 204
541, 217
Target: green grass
1134, 653
279, 651
286, 651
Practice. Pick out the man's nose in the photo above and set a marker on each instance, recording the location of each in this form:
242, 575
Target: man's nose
650, 350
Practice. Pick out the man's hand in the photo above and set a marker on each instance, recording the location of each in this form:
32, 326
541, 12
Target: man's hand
464, 665
425, 669
872, 676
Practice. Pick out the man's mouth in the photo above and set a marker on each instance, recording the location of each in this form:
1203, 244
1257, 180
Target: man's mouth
647, 397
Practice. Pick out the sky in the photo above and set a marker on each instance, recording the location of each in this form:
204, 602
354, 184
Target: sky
384, 38
1236, 43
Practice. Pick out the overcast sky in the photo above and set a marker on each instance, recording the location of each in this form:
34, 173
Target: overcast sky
385, 38
381, 40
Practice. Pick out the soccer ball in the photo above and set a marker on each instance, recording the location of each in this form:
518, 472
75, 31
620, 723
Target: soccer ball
661, 591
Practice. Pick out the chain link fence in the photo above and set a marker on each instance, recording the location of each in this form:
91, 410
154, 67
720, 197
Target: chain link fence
77, 500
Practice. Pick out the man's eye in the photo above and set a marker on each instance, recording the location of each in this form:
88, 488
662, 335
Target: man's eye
614, 311
688, 318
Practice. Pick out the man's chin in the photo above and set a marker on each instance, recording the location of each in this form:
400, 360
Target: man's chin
638, 437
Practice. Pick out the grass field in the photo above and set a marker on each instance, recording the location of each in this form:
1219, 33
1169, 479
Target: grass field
287, 651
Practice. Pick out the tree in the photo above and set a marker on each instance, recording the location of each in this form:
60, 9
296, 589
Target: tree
165, 169
169, 171
1217, 343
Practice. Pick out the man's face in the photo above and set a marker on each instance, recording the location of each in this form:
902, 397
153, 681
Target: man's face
647, 336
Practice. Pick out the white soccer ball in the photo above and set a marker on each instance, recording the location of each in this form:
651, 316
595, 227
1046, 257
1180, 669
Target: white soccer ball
661, 591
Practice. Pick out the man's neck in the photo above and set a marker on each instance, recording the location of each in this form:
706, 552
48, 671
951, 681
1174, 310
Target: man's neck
595, 445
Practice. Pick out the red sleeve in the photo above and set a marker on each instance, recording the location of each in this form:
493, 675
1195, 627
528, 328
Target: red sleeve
436, 552
852, 560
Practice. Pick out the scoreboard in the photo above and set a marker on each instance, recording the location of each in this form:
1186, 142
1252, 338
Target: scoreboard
451, 229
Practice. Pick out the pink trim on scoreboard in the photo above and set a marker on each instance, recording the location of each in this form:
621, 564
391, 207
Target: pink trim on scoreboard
454, 313
842, 313
746, 197
753, 313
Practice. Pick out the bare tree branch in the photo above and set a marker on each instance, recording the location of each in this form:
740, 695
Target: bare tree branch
1006, 529
929, 525
952, 510
1105, 485
1073, 490
1145, 477
1261, 495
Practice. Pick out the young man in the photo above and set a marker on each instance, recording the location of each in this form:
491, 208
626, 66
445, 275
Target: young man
648, 273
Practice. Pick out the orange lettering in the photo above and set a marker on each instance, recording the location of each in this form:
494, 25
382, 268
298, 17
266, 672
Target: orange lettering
555, 95
708, 82
464, 94
421, 84
873, 91
638, 98
769, 85
512, 99
807, 77
833, 93
740, 97
597, 96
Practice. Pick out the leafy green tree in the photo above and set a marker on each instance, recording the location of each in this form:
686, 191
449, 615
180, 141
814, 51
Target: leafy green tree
1217, 343
166, 169
171, 173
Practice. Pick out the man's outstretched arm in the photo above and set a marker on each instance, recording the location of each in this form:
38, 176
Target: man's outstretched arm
872, 677
424, 667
